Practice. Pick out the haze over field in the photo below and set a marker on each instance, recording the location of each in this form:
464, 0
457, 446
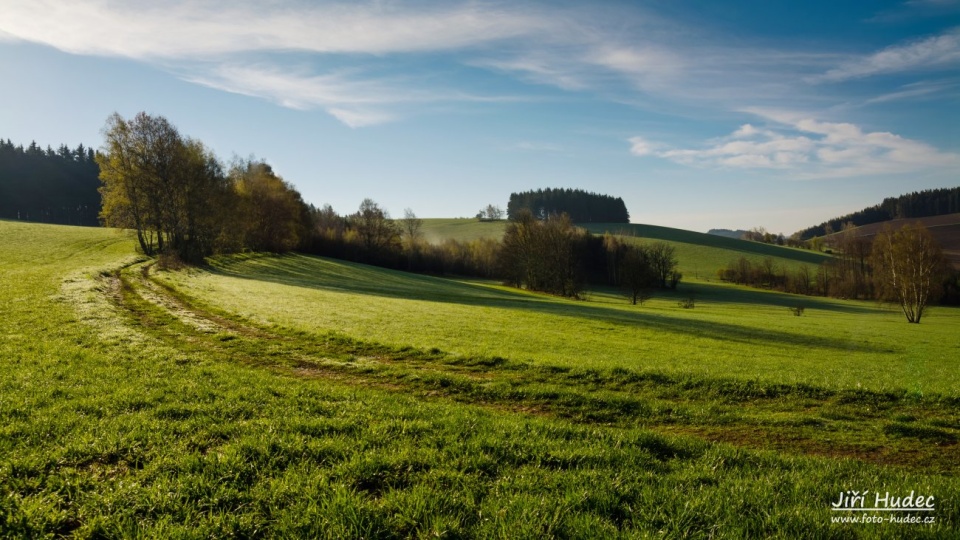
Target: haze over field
778, 116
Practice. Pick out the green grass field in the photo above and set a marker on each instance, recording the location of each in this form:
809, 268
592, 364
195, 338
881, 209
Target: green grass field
436, 230
303, 397
734, 332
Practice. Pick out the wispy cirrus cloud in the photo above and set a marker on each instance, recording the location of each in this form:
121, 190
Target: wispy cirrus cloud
294, 88
357, 118
211, 43
917, 90
539, 68
352, 96
206, 28
806, 148
619, 54
354, 101
935, 52
292, 53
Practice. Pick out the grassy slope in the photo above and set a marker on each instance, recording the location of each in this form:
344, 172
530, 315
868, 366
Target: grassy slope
700, 255
436, 230
120, 419
738, 332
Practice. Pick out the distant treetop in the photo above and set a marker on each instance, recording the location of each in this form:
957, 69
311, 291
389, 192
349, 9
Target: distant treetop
580, 205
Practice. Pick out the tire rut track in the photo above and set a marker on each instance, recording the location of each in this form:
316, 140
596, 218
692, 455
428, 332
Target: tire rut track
171, 317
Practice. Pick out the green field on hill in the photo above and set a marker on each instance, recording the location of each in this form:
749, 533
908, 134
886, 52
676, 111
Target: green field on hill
436, 230
700, 255
297, 396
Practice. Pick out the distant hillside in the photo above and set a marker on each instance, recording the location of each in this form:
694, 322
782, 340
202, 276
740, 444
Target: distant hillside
932, 202
737, 234
700, 255
945, 229
436, 230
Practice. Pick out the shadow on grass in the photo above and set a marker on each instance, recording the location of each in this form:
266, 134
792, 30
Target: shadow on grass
353, 278
727, 294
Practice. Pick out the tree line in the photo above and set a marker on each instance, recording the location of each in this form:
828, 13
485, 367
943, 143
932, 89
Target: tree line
931, 202
181, 201
581, 206
550, 255
47, 185
903, 266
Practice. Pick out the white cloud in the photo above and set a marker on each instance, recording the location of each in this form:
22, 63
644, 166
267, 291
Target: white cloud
355, 102
209, 28
540, 68
628, 56
360, 118
744, 131
923, 89
212, 42
291, 88
933, 52
641, 147
808, 148
646, 67
351, 96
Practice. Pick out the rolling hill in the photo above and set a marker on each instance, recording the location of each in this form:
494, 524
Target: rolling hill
700, 255
267, 396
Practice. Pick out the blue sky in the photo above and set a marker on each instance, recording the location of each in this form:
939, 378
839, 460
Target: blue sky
701, 114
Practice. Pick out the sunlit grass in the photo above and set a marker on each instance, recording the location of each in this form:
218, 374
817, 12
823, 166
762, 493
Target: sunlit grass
119, 419
732, 331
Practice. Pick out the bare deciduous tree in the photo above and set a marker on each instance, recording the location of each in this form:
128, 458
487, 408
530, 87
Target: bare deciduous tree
637, 276
664, 263
908, 268
411, 227
490, 213
374, 227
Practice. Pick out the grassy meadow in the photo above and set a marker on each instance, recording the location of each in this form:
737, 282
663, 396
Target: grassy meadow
297, 396
436, 230
733, 331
